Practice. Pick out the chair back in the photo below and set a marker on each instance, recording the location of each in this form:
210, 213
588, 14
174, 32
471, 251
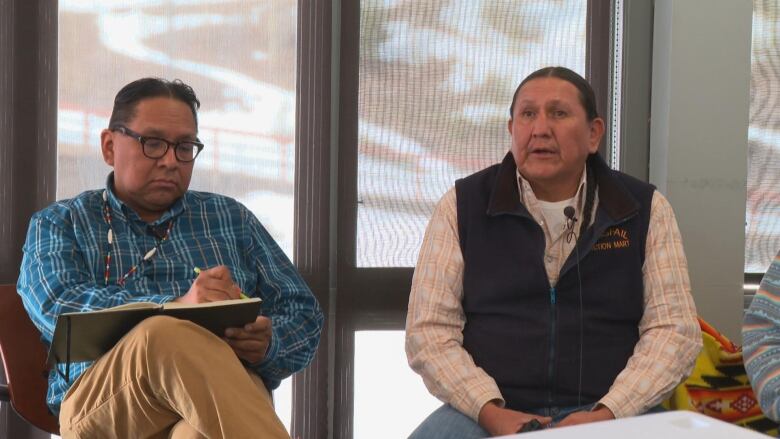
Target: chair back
24, 361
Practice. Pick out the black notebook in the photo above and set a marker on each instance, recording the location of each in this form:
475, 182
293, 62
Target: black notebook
86, 336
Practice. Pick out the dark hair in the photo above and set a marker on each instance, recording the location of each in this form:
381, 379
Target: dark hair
128, 97
587, 96
590, 199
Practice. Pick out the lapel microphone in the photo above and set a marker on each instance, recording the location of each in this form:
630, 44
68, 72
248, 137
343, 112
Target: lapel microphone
568, 211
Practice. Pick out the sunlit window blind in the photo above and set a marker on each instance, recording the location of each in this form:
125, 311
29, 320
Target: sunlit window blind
383, 379
762, 219
238, 55
436, 81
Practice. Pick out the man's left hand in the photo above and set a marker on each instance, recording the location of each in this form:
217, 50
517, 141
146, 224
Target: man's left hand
250, 342
600, 414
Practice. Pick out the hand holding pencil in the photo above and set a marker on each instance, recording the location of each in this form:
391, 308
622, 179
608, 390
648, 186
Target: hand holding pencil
211, 285
241, 294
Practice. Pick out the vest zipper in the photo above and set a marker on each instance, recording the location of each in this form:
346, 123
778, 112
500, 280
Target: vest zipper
550, 368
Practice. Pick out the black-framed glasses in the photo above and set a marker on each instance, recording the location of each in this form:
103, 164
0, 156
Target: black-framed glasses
156, 147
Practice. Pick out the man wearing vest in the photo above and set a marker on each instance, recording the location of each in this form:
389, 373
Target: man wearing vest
549, 288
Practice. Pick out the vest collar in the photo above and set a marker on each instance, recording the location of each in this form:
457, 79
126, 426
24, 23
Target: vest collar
614, 198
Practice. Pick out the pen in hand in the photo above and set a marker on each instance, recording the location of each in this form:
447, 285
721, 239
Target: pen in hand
197, 270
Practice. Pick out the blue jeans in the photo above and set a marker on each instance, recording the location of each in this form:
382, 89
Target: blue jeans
448, 423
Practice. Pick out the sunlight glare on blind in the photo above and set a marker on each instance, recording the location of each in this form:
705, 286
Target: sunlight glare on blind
762, 218
239, 56
436, 81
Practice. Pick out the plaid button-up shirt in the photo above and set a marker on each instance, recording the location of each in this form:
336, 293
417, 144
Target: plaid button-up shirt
64, 266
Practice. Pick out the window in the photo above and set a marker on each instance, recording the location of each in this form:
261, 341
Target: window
236, 55
762, 219
387, 386
436, 80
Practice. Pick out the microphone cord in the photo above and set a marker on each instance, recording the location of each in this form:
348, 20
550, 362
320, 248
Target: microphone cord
582, 330
570, 220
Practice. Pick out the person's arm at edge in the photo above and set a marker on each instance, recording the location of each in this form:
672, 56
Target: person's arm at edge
669, 332
761, 336
53, 278
435, 320
295, 314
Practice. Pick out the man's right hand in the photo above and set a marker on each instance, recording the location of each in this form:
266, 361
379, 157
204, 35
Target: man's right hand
211, 285
500, 421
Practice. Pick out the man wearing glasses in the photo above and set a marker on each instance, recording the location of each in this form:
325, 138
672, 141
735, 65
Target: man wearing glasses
138, 240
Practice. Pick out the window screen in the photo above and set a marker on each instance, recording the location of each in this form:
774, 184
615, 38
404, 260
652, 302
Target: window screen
239, 56
762, 218
436, 81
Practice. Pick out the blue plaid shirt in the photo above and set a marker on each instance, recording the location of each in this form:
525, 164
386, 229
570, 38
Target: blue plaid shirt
64, 266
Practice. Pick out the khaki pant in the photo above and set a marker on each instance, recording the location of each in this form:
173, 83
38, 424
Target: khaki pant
169, 378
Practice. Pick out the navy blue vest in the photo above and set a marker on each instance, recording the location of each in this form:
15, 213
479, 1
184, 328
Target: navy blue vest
522, 332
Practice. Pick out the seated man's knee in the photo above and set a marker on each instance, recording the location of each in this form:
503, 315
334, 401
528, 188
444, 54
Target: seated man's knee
165, 332
156, 324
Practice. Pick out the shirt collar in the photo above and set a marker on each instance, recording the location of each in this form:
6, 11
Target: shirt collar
528, 197
121, 210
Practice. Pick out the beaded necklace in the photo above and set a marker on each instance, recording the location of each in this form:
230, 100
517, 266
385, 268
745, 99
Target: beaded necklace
110, 238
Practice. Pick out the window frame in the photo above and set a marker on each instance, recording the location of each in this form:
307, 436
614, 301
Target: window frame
312, 211
28, 156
